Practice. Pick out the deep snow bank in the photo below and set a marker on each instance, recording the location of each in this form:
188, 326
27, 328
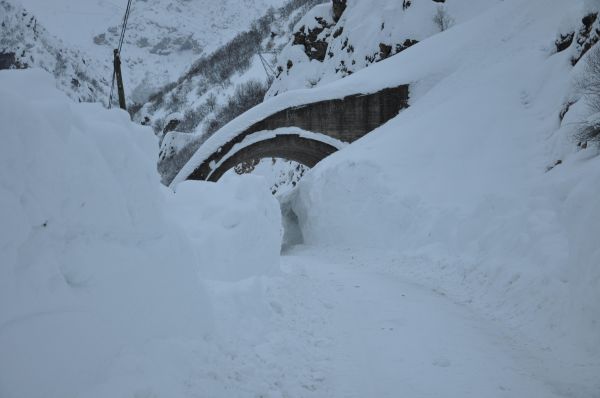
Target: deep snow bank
461, 179
235, 226
94, 272
89, 262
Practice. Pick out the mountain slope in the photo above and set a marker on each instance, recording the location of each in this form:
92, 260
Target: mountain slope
25, 43
163, 38
327, 47
218, 87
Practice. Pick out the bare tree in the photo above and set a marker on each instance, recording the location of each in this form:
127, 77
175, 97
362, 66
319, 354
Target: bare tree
442, 19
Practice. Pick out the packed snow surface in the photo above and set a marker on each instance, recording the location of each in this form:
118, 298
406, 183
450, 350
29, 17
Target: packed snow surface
448, 253
463, 181
231, 212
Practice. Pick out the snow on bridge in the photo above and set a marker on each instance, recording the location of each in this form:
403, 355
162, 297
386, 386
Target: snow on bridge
287, 128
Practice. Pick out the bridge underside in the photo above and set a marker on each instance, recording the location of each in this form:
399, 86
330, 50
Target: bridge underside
303, 150
344, 119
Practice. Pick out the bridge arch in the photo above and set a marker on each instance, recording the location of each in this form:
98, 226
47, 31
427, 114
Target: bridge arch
333, 121
300, 148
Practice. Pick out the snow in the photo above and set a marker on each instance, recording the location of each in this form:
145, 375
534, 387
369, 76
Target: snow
164, 37
456, 193
458, 185
267, 134
230, 212
350, 49
445, 254
95, 269
383, 344
76, 73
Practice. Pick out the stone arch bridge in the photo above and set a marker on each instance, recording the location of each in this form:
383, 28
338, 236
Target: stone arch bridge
306, 133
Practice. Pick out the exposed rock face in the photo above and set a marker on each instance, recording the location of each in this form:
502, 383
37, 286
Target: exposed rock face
333, 39
588, 35
315, 44
172, 121
564, 41
384, 50
407, 43
9, 60
171, 126
338, 9
585, 38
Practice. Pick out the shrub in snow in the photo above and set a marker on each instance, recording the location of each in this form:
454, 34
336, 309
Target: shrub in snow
175, 151
174, 155
25, 43
589, 85
246, 96
441, 18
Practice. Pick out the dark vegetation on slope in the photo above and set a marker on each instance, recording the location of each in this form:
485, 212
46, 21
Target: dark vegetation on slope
246, 96
25, 43
234, 57
589, 85
584, 40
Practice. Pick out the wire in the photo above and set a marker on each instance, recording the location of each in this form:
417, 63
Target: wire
119, 47
125, 19
267, 67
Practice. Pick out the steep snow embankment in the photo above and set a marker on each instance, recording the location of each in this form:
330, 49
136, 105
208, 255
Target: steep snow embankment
96, 277
327, 47
214, 214
456, 192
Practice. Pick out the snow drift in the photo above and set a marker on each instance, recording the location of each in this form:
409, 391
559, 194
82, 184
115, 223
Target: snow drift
465, 188
236, 226
92, 267
87, 264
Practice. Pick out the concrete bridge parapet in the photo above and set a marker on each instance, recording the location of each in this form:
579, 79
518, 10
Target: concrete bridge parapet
345, 119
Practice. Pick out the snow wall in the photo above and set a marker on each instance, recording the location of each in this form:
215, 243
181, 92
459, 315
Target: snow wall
97, 261
462, 185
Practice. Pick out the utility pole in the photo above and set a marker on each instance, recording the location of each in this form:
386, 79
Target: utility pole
119, 76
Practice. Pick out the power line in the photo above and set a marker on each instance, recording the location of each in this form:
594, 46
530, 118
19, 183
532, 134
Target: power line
267, 67
118, 50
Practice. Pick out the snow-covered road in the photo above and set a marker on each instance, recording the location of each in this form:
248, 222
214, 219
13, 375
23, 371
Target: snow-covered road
391, 338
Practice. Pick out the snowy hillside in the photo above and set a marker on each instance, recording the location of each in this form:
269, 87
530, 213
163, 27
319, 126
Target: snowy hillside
163, 38
451, 252
326, 47
218, 87
461, 191
25, 43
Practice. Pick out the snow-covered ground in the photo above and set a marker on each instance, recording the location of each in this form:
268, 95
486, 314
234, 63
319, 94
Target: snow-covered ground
448, 253
96, 265
464, 182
